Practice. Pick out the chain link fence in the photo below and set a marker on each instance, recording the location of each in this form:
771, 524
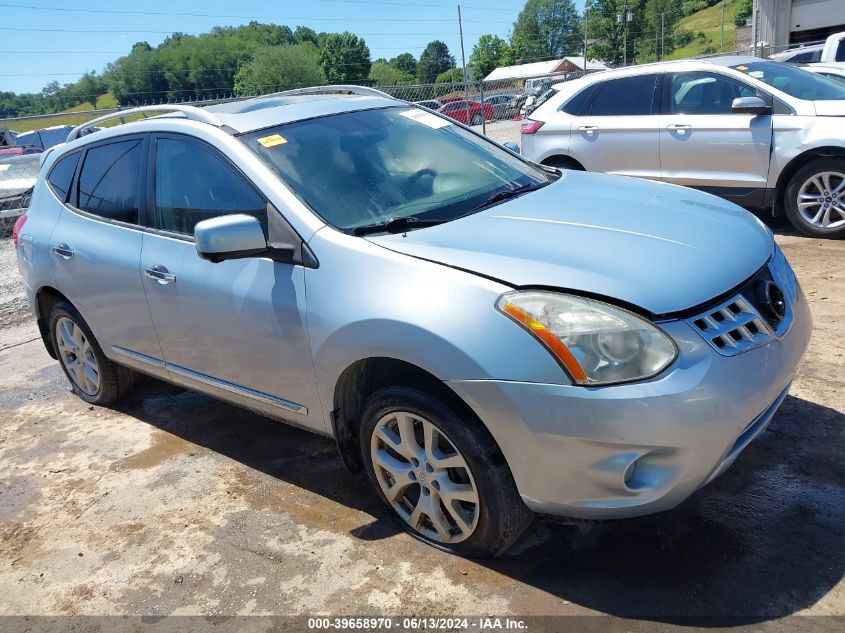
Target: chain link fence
492, 108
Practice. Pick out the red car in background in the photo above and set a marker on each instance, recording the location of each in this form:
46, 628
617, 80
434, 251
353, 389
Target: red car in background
468, 112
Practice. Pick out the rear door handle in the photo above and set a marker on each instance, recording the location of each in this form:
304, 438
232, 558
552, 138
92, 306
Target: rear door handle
159, 273
589, 129
679, 127
63, 250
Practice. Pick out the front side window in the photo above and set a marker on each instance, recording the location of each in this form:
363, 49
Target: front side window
705, 93
794, 81
108, 182
624, 97
61, 175
193, 184
365, 167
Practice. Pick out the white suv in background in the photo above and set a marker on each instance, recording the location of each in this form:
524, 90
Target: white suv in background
762, 134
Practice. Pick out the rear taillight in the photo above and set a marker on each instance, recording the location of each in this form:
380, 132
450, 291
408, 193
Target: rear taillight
530, 127
16, 230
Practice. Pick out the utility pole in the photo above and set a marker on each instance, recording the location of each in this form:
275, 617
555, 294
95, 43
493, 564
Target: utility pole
463, 58
662, 35
623, 19
586, 10
722, 28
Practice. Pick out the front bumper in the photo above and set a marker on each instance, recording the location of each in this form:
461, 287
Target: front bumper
630, 450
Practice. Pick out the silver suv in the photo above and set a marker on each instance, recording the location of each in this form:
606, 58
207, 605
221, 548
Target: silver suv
759, 133
484, 336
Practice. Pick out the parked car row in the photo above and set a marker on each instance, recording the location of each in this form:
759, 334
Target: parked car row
763, 134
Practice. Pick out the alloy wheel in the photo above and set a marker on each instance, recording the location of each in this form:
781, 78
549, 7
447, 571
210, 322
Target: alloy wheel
424, 477
821, 200
77, 356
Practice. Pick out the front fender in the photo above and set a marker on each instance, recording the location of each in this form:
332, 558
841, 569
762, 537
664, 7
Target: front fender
366, 301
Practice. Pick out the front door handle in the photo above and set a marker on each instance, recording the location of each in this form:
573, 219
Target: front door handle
589, 129
679, 127
63, 250
159, 273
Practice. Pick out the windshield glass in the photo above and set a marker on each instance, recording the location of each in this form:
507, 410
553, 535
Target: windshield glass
362, 168
794, 81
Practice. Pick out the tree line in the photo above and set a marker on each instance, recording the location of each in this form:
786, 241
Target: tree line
260, 58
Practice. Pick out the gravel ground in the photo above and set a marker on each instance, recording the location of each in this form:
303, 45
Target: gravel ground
173, 503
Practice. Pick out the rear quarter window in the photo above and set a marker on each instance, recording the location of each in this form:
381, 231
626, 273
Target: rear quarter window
61, 176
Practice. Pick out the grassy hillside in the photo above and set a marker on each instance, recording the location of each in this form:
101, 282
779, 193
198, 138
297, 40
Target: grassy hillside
69, 116
704, 27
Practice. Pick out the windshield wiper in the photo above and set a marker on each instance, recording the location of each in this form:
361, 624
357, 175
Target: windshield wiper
506, 194
396, 225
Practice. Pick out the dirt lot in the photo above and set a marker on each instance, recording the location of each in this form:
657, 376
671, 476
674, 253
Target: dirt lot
174, 503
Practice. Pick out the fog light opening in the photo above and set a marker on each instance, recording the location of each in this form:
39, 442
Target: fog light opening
630, 473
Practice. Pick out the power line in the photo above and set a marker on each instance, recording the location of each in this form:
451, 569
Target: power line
234, 17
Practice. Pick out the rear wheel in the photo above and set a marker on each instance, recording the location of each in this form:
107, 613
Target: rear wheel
476, 119
93, 377
815, 198
441, 475
564, 163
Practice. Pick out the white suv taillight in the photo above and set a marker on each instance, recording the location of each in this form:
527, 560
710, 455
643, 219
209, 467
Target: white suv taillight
529, 127
16, 230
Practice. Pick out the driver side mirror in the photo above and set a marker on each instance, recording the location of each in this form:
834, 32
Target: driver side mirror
511, 146
229, 237
750, 105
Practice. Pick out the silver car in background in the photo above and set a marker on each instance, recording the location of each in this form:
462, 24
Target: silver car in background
759, 133
485, 337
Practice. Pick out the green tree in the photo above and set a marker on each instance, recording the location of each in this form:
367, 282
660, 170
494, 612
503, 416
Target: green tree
489, 53
546, 29
435, 59
451, 76
344, 57
405, 62
303, 34
383, 74
275, 68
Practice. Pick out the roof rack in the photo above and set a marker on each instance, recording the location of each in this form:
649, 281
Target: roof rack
362, 91
189, 112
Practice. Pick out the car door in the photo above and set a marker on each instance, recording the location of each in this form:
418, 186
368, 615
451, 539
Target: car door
235, 329
96, 248
617, 129
704, 144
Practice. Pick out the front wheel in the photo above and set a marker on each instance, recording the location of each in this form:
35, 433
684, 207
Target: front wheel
440, 474
815, 198
476, 119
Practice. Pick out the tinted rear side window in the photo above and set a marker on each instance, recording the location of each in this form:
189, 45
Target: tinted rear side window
108, 183
61, 175
576, 103
624, 97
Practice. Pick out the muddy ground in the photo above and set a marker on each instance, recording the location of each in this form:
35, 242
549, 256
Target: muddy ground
174, 503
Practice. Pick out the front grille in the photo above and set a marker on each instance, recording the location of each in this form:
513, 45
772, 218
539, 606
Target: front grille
732, 327
745, 321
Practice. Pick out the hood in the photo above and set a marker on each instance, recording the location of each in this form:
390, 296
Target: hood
660, 247
830, 108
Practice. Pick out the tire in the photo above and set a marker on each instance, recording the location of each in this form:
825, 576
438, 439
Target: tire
97, 380
565, 163
820, 185
476, 119
486, 515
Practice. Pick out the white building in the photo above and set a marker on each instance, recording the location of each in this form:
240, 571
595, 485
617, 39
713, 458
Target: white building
777, 23
538, 69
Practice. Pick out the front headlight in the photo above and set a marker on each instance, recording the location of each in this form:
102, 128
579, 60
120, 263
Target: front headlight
595, 342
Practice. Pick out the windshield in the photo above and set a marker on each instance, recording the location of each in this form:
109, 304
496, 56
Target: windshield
794, 81
362, 168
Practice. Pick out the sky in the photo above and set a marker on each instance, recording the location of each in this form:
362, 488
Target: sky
47, 40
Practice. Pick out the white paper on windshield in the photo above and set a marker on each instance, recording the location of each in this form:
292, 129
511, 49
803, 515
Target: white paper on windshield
4, 167
426, 118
